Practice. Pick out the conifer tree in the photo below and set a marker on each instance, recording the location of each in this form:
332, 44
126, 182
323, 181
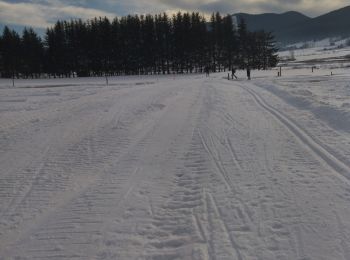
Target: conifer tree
229, 42
32, 53
11, 53
116, 39
151, 44
243, 46
57, 51
1, 57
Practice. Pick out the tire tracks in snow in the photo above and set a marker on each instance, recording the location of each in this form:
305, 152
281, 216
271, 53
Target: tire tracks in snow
100, 152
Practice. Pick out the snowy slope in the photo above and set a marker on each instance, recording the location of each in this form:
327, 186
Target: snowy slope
183, 167
320, 57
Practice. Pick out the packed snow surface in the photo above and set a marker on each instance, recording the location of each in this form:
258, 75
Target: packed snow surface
176, 167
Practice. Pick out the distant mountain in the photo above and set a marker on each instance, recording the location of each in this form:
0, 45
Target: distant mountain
270, 21
294, 27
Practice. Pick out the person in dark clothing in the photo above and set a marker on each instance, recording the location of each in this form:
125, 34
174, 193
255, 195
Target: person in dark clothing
248, 73
206, 69
234, 73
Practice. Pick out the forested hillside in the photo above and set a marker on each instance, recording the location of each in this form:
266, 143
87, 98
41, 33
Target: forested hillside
291, 27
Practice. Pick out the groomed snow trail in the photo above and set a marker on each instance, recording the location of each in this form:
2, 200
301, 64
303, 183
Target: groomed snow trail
169, 168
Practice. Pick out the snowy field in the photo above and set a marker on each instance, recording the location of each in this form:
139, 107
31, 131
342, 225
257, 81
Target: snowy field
177, 167
321, 56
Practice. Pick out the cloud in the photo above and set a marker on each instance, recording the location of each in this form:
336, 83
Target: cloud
42, 14
310, 7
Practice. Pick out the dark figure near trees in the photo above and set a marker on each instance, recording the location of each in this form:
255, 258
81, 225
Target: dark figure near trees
248, 73
206, 70
234, 73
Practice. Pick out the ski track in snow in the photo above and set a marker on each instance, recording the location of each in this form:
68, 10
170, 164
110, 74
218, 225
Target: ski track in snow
168, 168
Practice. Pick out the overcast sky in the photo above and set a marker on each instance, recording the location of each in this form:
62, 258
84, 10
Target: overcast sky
42, 13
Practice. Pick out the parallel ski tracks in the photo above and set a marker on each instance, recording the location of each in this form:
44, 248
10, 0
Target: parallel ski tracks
326, 155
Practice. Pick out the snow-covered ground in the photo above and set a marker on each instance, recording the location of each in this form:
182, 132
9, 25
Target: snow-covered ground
176, 167
321, 56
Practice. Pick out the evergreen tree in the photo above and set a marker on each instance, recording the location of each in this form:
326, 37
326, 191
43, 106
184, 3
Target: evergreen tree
243, 46
229, 42
116, 46
162, 43
130, 34
32, 53
80, 48
186, 42
11, 53
151, 44
199, 42
105, 45
269, 51
165, 33
217, 42
256, 49
178, 50
96, 59
1, 57
57, 51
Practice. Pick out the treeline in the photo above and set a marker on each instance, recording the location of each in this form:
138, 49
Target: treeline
150, 44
